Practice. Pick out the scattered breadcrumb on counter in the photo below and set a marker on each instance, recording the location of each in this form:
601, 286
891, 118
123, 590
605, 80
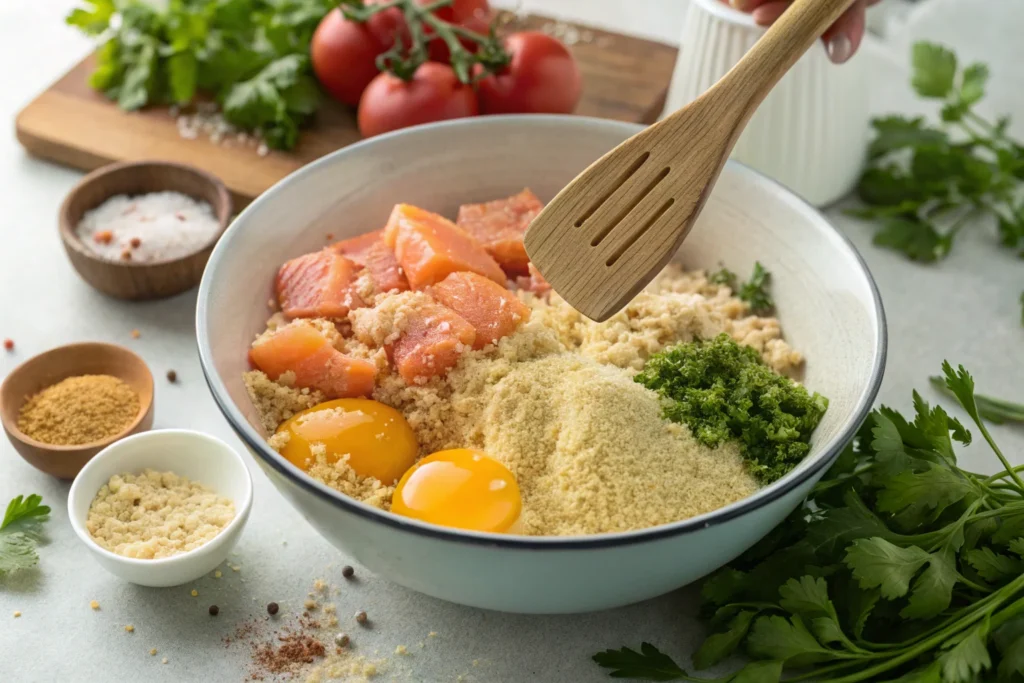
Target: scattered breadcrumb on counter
156, 514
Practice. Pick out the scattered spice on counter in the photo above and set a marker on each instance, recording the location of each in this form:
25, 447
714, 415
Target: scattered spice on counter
341, 640
348, 572
214, 610
152, 653
158, 226
217, 574
136, 334
9, 344
129, 628
361, 617
309, 604
401, 650
195, 593
94, 604
79, 410
126, 255
156, 514
272, 608
172, 376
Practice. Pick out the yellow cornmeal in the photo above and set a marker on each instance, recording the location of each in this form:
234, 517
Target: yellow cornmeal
556, 403
156, 514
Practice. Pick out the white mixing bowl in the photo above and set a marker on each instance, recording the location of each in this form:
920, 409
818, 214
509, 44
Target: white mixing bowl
827, 302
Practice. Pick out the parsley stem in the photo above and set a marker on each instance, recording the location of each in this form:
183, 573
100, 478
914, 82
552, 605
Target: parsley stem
980, 611
988, 437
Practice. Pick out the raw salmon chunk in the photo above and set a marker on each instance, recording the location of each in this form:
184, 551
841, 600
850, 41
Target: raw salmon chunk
301, 349
318, 285
534, 282
493, 311
370, 252
500, 225
431, 342
430, 248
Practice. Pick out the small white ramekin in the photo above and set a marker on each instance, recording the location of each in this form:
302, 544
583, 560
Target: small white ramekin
194, 455
810, 133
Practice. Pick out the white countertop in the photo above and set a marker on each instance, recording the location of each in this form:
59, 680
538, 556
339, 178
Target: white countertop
965, 309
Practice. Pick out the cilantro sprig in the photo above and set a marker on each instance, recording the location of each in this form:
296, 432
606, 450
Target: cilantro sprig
250, 55
925, 182
900, 566
20, 530
754, 291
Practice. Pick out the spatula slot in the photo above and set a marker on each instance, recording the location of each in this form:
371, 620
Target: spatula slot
633, 168
599, 237
640, 233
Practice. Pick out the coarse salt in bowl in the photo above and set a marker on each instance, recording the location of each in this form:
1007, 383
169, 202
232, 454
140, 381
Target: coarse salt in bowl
199, 457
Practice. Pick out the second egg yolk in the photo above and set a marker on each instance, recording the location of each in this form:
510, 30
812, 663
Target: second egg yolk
376, 438
460, 488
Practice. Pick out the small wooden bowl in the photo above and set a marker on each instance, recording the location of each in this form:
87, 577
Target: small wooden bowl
151, 280
50, 367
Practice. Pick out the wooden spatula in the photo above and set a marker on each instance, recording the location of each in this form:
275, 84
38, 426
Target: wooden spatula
613, 228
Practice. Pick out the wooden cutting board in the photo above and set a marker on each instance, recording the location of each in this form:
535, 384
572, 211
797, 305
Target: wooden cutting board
624, 78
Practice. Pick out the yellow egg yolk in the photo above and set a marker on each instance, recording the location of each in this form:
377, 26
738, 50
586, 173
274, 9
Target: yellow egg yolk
377, 440
460, 488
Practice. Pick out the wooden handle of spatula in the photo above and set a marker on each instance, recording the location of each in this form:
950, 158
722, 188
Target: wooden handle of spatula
792, 34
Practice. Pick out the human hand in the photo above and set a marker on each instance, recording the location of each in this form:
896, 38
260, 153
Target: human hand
841, 39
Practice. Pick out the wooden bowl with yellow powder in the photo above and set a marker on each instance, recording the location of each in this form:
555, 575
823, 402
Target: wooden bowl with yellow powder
65, 405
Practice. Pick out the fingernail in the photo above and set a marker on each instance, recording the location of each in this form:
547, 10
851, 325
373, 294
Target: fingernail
839, 48
738, 4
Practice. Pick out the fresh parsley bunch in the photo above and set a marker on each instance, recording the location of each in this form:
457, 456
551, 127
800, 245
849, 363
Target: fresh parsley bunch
19, 533
251, 55
924, 182
899, 567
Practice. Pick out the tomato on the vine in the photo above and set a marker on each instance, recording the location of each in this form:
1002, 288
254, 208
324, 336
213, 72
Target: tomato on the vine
473, 15
344, 53
433, 94
541, 78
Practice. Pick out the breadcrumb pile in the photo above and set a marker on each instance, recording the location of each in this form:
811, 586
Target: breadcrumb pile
156, 514
556, 403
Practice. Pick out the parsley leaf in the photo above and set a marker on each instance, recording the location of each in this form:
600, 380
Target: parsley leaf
877, 563
933, 590
650, 664
754, 291
990, 409
785, 640
719, 646
934, 69
19, 533
993, 566
968, 658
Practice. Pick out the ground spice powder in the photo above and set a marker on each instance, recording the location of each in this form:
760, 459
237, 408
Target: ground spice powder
79, 410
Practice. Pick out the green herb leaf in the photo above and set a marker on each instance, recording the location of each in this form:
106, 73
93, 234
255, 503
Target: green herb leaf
806, 596
917, 498
759, 672
934, 69
785, 640
94, 18
993, 566
967, 659
916, 239
933, 590
19, 533
1017, 547
183, 71
755, 291
895, 133
877, 563
650, 664
719, 646
972, 86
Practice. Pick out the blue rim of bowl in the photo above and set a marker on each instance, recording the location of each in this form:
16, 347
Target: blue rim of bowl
764, 496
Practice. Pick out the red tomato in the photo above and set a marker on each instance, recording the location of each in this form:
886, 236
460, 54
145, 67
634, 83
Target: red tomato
541, 79
433, 94
475, 15
344, 55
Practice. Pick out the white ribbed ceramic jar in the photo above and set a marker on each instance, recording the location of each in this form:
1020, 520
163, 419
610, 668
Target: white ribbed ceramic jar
810, 132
